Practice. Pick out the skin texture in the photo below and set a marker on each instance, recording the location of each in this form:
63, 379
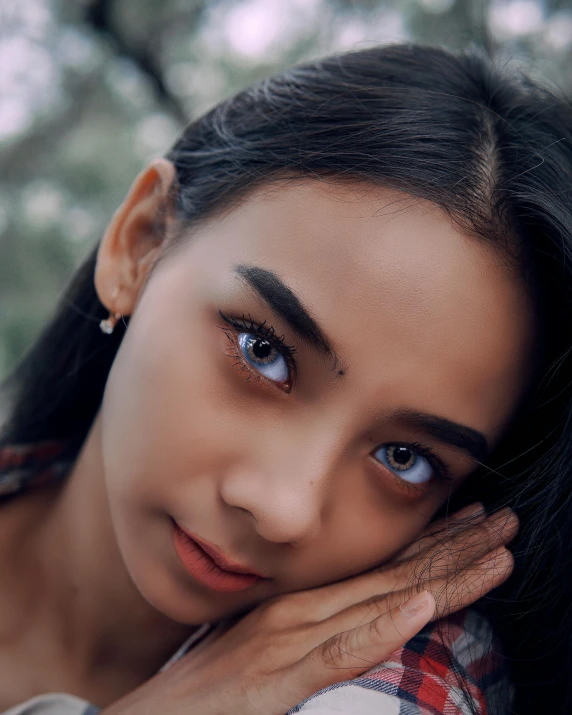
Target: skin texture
422, 316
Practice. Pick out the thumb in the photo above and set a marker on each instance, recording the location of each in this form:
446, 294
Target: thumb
350, 653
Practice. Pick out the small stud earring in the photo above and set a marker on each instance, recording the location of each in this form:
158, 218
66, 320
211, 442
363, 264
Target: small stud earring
107, 325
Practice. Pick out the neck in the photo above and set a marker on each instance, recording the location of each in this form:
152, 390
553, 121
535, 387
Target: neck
63, 547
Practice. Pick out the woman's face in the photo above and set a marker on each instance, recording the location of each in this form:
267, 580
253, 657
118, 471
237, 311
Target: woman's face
303, 383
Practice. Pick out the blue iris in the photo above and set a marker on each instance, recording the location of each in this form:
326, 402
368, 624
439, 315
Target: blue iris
405, 463
263, 356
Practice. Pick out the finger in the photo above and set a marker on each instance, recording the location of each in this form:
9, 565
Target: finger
471, 515
460, 590
463, 587
473, 583
459, 546
446, 556
347, 654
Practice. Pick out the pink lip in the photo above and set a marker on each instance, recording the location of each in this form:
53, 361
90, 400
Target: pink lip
201, 564
220, 558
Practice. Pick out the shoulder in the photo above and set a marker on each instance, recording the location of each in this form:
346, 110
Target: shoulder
452, 667
26, 465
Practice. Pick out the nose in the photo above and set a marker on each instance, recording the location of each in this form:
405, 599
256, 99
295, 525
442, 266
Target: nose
288, 495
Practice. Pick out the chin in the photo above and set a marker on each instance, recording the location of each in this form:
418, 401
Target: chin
190, 608
178, 598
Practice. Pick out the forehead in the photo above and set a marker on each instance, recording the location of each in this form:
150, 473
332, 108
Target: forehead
422, 313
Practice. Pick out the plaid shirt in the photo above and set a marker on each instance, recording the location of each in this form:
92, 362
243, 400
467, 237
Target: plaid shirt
436, 673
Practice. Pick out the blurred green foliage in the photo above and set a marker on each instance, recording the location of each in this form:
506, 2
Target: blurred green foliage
91, 90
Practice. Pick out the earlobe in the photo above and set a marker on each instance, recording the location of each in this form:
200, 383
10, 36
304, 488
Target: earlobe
134, 235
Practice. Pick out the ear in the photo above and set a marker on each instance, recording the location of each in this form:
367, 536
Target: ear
133, 238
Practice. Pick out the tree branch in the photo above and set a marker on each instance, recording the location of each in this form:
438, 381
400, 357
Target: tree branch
99, 15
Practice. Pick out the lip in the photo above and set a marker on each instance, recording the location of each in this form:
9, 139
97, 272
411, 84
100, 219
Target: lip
220, 558
202, 565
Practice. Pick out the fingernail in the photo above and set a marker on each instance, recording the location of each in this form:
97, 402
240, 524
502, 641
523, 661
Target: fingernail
505, 511
496, 557
415, 605
500, 555
504, 516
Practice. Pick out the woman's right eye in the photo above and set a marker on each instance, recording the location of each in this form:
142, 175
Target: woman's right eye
264, 357
260, 352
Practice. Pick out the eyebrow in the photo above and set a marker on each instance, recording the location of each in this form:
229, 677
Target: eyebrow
285, 303
460, 436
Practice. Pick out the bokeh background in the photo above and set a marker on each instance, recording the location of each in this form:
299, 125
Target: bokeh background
90, 90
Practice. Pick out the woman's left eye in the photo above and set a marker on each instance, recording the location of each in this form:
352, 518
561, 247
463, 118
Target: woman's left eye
263, 356
405, 462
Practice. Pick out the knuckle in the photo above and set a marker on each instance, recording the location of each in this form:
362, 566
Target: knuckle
374, 607
466, 544
499, 562
378, 629
471, 536
450, 596
343, 651
284, 610
334, 651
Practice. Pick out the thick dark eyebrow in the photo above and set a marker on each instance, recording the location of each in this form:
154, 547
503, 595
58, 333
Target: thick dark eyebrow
466, 438
285, 303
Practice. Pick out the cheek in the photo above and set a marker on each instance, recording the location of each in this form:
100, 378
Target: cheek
165, 415
366, 529
176, 414
379, 540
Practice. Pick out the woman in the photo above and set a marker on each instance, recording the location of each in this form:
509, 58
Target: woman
334, 313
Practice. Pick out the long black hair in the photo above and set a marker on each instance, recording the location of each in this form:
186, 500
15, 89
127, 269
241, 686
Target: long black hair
490, 146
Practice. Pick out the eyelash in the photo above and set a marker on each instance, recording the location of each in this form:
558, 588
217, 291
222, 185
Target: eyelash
267, 332
264, 332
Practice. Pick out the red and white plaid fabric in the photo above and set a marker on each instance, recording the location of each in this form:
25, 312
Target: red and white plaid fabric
452, 667
445, 667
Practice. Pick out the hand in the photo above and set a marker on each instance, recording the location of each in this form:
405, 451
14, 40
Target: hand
294, 644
